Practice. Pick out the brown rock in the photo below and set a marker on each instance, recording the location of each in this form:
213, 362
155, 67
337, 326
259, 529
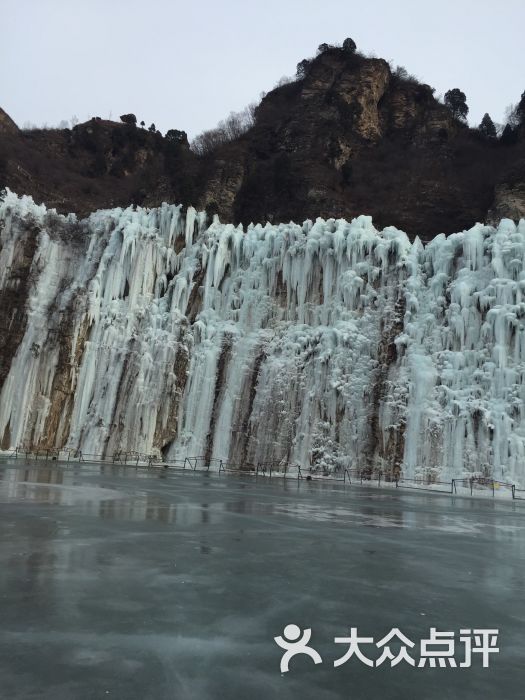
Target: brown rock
509, 203
7, 125
350, 138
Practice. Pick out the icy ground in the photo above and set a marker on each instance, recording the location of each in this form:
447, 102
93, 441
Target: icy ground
128, 584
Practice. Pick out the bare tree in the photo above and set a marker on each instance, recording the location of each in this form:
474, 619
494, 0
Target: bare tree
235, 125
284, 80
511, 116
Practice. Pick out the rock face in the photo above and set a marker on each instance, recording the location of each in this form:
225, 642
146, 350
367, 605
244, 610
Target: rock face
7, 125
357, 86
350, 137
509, 202
329, 344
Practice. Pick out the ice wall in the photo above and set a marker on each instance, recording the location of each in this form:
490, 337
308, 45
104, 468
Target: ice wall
327, 344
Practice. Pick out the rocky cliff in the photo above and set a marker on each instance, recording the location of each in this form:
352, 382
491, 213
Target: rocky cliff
350, 137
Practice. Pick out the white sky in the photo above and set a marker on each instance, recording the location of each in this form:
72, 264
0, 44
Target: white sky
186, 65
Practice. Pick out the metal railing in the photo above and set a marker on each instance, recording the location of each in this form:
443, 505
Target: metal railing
476, 483
275, 469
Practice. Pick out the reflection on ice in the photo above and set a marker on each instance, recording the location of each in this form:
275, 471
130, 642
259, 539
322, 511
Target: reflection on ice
183, 583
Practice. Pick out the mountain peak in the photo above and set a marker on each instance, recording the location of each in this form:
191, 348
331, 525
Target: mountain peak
348, 136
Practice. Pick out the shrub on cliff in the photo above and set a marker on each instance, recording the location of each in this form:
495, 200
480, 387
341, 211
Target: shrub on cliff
401, 73
128, 119
302, 67
323, 48
176, 136
456, 101
487, 128
509, 135
349, 45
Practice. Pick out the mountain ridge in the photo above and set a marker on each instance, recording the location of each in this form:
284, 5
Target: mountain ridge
349, 137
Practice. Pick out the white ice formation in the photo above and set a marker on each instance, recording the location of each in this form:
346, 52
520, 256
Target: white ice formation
326, 344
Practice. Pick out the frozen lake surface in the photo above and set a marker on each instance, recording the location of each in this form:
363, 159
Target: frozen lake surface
121, 583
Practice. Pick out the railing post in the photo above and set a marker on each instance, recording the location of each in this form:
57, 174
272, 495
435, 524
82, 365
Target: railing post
379, 481
471, 484
493, 494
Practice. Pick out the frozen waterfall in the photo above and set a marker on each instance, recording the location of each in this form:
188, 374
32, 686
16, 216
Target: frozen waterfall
328, 344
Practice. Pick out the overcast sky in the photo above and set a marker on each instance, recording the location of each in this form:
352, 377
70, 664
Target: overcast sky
186, 65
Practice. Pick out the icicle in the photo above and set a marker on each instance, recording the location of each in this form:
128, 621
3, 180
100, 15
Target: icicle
329, 343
